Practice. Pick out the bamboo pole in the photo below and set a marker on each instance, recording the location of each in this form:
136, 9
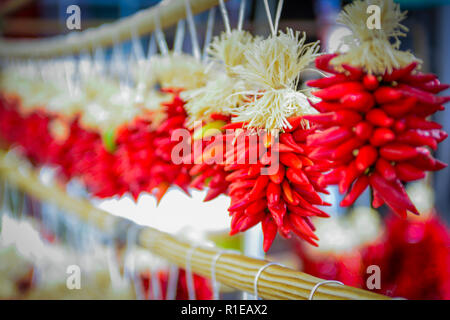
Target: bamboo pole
168, 12
232, 269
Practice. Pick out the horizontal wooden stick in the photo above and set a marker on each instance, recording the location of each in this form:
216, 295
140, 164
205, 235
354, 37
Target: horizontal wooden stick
232, 269
169, 12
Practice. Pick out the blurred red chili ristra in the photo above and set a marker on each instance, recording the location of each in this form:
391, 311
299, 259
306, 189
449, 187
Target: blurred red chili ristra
375, 130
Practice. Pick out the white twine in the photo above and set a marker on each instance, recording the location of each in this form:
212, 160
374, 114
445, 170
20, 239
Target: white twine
314, 289
192, 30
209, 32
258, 275
241, 14
189, 275
226, 20
214, 282
179, 37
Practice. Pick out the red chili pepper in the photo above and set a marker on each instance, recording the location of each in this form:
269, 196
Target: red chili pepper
359, 101
332, 177
382, 136
398, 152
407, 172
255, 208
346, 148
288, 140
392, 192
414, 122
238, 174
396, 74
297, 176
327, 81
418, 78
385, 169
377, 201
287, 192
323, 62
301, 226
363, 130
421, 95
417, 138
309, 195
259, 187
337, 91
300, 211
358, 187
387, 95
278, 212
379, 118
248, 222
300, 135
279, 175
370, 82
291, 160
273, 193
341, 117
325, 106
331, 136
269, 229
399, 108
241, 204
400, 125
366, 157
354, 73
349, 175
234, 125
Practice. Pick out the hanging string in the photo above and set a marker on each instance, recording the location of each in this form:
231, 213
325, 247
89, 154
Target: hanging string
162, 43
209, 32
151, 46
314, 289
214, 282
189, 275
136, 45
269, 17
172, 283
192, 31
258, 275
179, 37
278, 14
241, 14
155, 285
224, 12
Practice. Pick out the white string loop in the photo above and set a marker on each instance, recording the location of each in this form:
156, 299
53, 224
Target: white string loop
258, 275
188, 270
161, 39
172, 283
314, 289
214, 282
273, 26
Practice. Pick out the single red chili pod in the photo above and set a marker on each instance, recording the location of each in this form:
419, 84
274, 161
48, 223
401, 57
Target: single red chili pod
422, 96
399, 108
407, 172
255, 208
370, 82
385, 169
329, 137
387, 95
418, 77
279, 175
288, 140
301, 226
335, 92
379, 118
396, 74
357, 189
398, 152
327, 81
346, 148
363, 130
278, 211
367, 156
382, 136
273, 193
354, 73
269, 229
291, 160
297, 176
417, 138
323, 62
414, 122
359, 101
349, 175
259, 187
